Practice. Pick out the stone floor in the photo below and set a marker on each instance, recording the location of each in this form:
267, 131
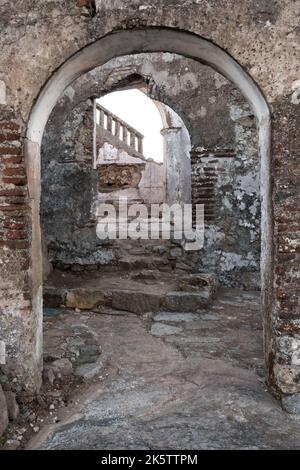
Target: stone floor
169, 381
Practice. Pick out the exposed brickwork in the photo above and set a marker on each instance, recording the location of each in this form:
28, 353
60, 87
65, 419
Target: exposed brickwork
286, 153
15, 238
204, 179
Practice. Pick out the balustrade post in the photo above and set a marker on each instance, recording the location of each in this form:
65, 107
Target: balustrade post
140, 145
101, 117
117, 129
109, 123
125, 135
132, 139
120, 129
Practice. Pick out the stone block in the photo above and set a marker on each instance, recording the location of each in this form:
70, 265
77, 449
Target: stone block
161, 329
186, 301
287, 378
84, 299
63, 366
89, 371
196, 282
88, 354
136, 302
291, 404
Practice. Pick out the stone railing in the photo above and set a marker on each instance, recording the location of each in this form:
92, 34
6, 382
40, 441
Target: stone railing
119, 131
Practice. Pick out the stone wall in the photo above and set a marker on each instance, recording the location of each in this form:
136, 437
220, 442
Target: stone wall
69, 188
227, 182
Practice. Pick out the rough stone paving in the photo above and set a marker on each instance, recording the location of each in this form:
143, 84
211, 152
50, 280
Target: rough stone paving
169, 381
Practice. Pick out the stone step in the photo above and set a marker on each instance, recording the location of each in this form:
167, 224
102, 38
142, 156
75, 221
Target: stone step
178, 301
140, 291
136, 302
143, 262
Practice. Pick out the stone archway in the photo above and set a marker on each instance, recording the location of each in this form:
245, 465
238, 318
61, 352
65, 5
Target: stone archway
125, 43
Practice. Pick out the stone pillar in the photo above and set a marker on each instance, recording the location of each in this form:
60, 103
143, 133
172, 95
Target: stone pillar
178, 167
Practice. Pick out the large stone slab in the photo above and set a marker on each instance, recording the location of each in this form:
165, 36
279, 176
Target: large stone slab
161, 329
136, 302
186, 301
85, 299
175, 317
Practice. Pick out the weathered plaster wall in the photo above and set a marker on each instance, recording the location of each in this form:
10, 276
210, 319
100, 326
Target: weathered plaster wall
69, 188
29, 37
227, 182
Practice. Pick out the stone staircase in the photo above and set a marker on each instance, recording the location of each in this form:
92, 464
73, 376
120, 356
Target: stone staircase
141, 276
160, 255
145, 276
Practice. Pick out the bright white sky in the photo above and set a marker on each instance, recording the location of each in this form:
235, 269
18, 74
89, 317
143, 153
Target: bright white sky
134, 107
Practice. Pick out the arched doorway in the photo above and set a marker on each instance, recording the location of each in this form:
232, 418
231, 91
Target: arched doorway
130, 42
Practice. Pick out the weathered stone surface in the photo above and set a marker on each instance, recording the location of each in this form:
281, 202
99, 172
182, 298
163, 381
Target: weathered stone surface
175, 253
88, 353
136, 302
62, 366
186, 301
287, 378
115, 176
160, 329
11, 444
194, 282
2, 353
145, 275
53, 297
48, 375
12, 405
89, 371
291, 404
175, 317
3, 412
84, 299
161, 392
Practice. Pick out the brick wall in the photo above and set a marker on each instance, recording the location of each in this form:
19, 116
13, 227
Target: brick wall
15, 251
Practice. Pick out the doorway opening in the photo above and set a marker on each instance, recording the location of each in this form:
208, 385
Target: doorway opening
180, 301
